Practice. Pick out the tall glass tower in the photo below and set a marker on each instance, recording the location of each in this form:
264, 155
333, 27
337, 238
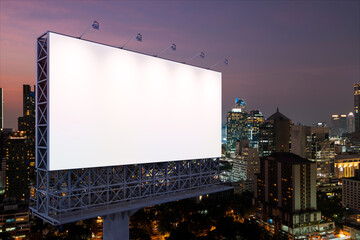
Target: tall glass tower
255, 119
356, 106
236, 124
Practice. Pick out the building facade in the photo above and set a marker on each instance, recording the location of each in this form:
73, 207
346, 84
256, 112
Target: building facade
26, 123
20, 151
350, 122
236, 125
275, 135
346, 164
356, 106
1, 108
338, 125
18, 167
313, 143
246, 162
285, 197
255, 120
14, 219
351, 192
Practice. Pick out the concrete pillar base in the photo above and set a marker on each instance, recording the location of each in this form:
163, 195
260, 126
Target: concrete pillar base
116, 226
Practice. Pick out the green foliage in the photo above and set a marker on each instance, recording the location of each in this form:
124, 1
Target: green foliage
331, 207
207, 220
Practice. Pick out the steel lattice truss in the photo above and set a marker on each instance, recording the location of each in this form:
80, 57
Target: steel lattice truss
59, 192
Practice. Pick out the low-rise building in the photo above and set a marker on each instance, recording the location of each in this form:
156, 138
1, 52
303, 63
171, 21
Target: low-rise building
351, 192
15, 219
346, 164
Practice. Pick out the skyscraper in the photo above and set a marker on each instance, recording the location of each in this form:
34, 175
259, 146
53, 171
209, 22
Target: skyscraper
27, 121
4, 137
274, 135
18, 167
1, 108
255, 120
246, 162
338, 125
20, 151
350, 122
357, 106
236, 125
314, 144
285, 197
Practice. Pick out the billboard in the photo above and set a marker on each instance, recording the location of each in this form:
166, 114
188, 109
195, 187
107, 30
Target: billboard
110, 107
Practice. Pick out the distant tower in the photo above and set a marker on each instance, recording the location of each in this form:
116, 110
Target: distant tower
236, 124
27, 121
1, 108
338, 125
350, 122
356, 106
240, 104
255, 120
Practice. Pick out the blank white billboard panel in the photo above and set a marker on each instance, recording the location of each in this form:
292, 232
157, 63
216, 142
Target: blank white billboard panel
109, 106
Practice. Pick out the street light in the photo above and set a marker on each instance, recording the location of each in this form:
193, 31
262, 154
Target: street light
226, 62
138, 37
95, 25
172, 46
201, 54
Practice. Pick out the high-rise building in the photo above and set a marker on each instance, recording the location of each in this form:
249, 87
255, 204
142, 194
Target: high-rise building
255, 120
1, 108
236, 125
313, 143
285, 197
246, 162
338, 125
350, 122
20, 151
27, 121
357, 106
274, 135
4, 137
18, 167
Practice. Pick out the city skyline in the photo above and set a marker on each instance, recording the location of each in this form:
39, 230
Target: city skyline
302, 57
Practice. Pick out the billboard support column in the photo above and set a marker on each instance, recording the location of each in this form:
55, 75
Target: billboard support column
116, 225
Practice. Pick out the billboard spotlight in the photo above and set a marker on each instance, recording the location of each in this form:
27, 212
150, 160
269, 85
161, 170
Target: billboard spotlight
201, 54
172, 46
138, 37
95, 25
226, 62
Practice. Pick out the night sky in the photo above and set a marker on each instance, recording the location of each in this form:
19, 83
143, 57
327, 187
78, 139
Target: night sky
300, 56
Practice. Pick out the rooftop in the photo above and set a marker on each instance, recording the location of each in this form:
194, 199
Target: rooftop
278, 116
288, 158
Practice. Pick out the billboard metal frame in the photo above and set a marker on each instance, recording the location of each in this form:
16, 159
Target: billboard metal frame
64, 196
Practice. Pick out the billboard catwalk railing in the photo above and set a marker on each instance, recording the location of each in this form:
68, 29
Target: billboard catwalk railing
58, 192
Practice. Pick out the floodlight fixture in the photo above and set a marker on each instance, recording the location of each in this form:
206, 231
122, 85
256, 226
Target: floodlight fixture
200, 54
95, 25
172, 46
225, 61
138, 38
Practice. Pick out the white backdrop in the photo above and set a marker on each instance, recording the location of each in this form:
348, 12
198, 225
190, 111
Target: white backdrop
109, 107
